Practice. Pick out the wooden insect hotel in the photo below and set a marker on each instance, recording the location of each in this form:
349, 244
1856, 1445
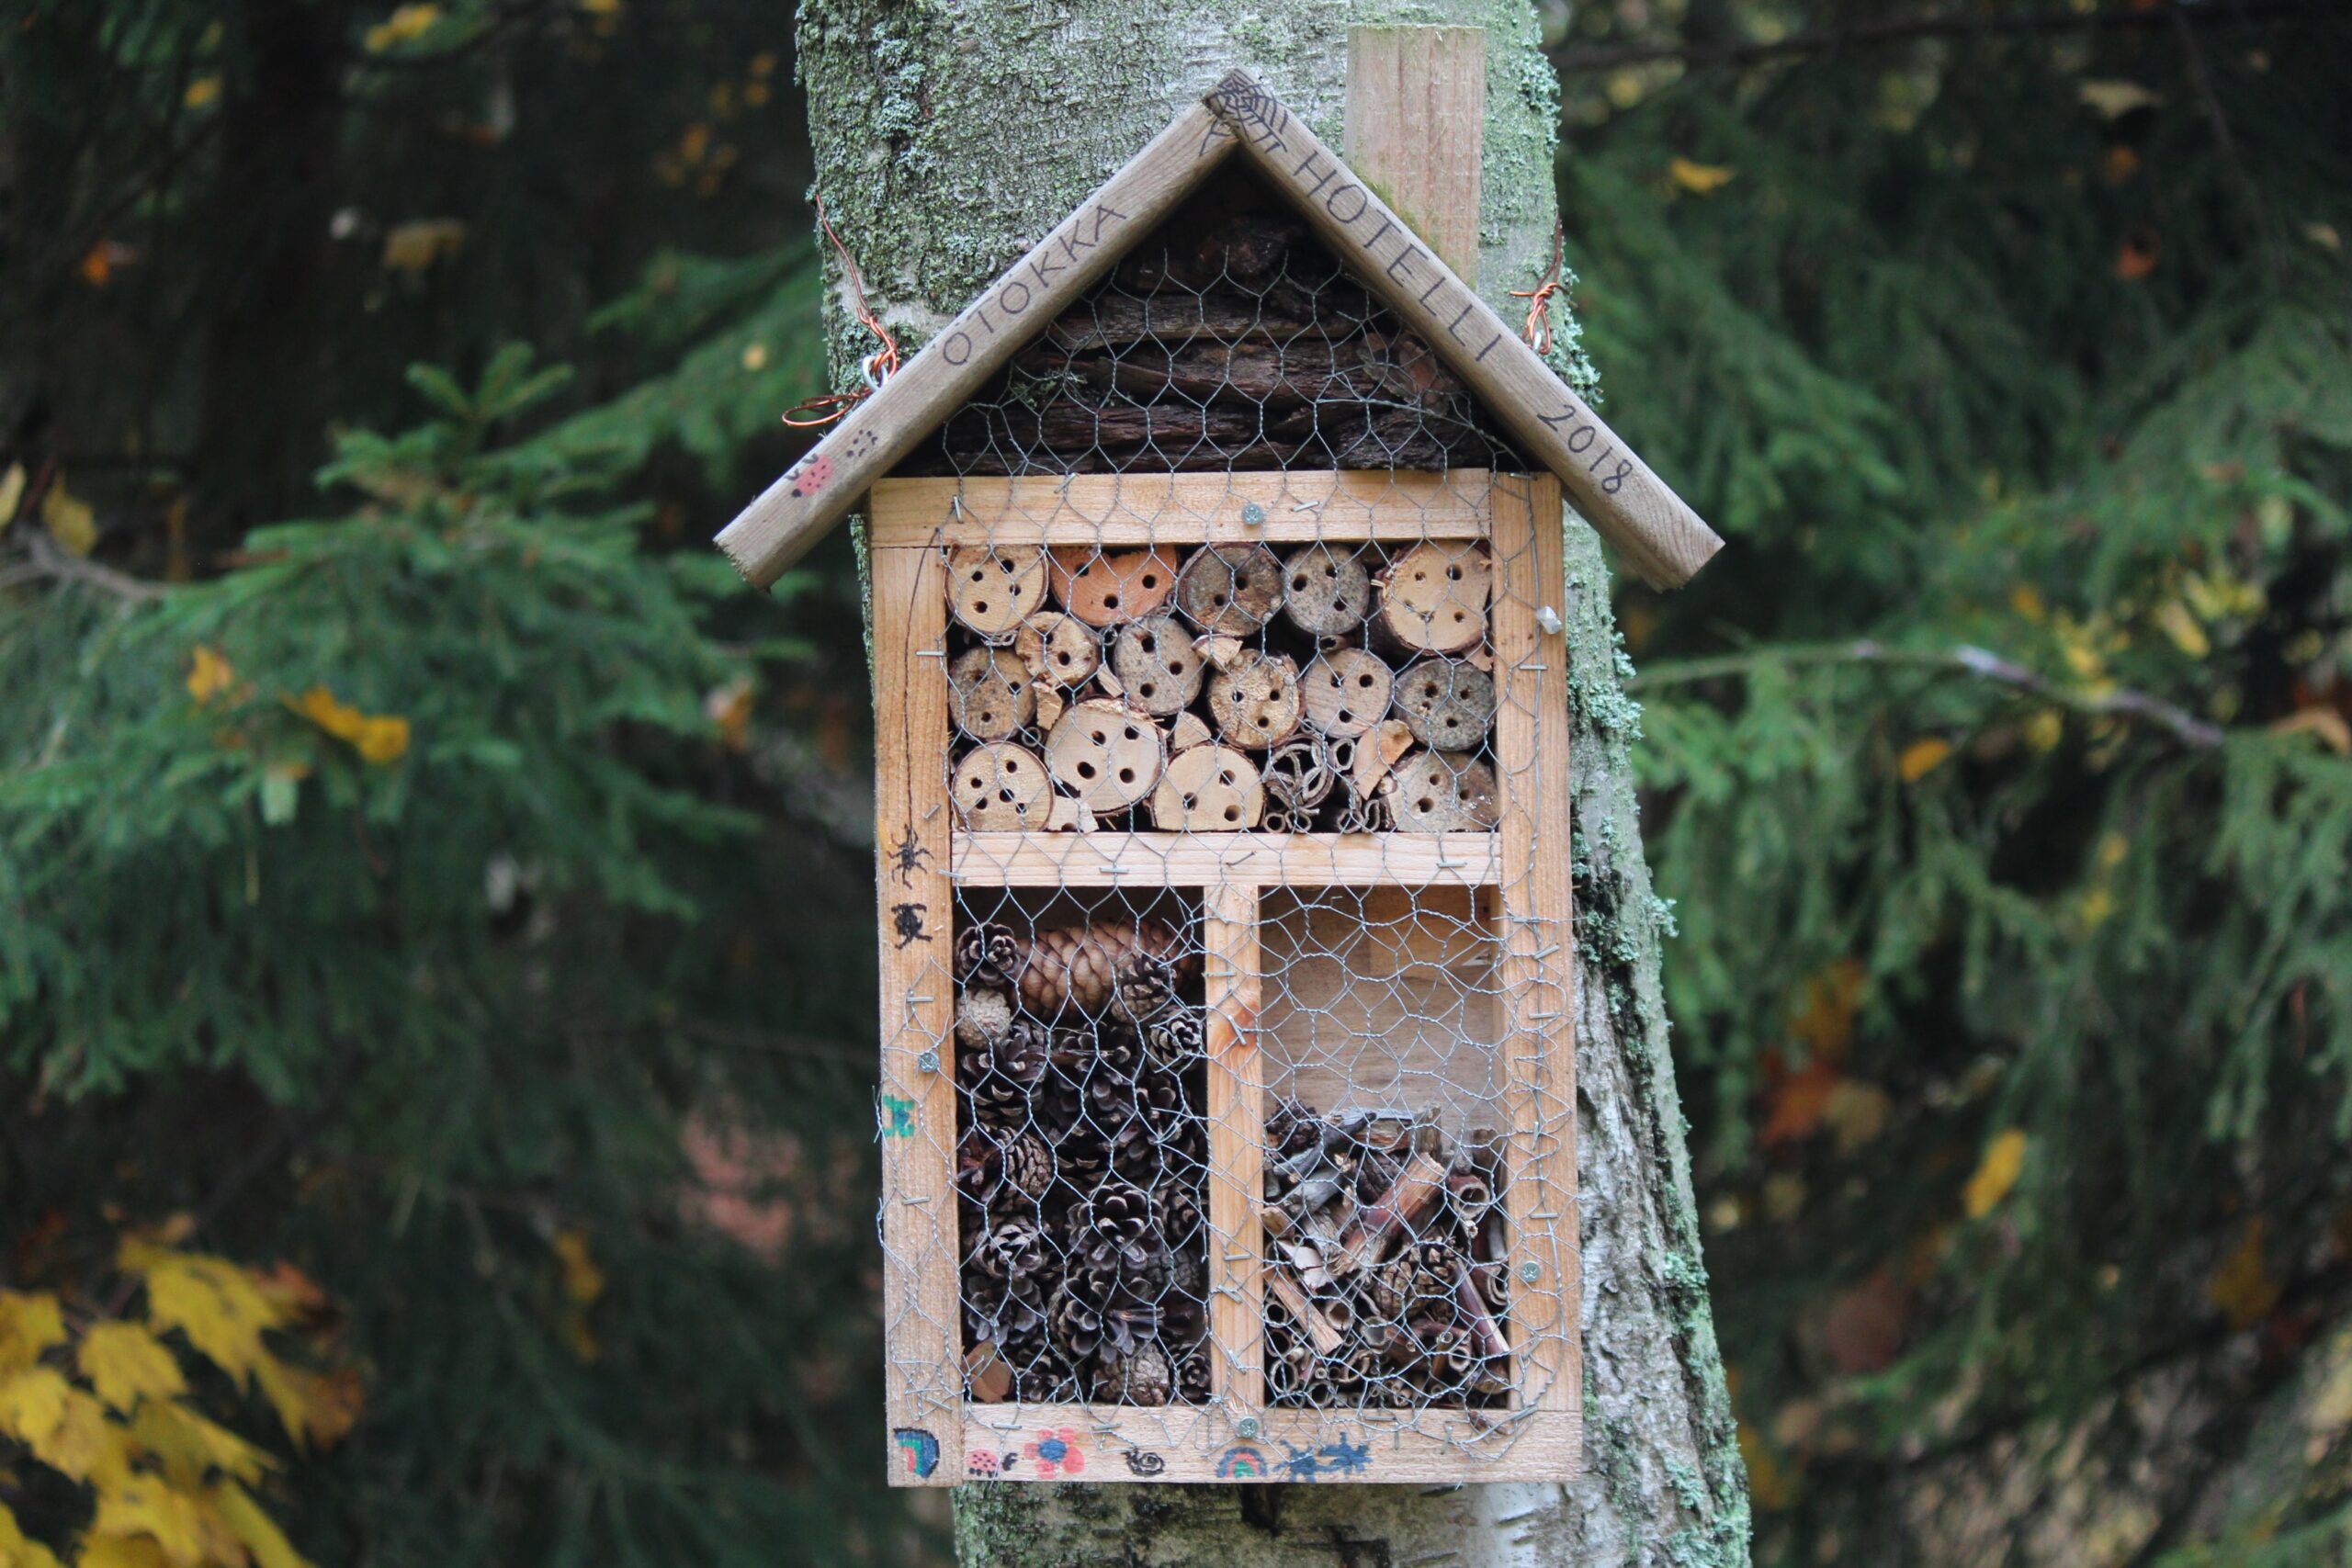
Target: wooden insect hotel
1227, 1091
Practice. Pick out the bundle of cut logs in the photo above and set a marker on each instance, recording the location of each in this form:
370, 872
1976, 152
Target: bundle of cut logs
1079, 1163
1385, 1281
1333, 688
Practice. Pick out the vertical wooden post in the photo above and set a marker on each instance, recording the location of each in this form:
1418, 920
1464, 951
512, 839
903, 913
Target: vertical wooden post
1237, 1113
1538, 969
920, 1267
1416, 129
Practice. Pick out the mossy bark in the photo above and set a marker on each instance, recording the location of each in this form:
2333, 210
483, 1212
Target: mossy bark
949, 136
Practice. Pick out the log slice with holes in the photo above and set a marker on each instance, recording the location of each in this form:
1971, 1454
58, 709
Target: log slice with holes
1442, 792
1001, 789
1106, 755
990, 695
1209, 789
1433, 598
1347, 691
1060, 649
1255, 700
1230, 589
1159, 669
991, 590
1448, 704
1110, 590
1327, 591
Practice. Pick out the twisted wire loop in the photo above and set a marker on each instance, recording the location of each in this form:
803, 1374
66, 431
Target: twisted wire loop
816, 413
1167, 704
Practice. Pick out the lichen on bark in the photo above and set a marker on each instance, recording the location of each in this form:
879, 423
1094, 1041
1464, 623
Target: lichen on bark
950, 135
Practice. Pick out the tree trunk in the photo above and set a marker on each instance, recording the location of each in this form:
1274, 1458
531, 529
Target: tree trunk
948, 138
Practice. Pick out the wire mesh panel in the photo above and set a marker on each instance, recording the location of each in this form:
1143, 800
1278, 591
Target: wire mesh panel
1229, 1105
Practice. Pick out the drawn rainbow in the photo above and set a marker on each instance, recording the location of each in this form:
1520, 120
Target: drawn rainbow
1243, 1463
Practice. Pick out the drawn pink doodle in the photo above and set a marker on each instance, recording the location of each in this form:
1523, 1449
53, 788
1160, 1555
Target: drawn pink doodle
980, 1462
814, 475
1057, 1452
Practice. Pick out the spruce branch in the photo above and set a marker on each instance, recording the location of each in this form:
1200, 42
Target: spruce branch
2198, 734
1913, 30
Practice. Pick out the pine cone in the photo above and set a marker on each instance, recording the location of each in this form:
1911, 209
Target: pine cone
1073, 969
1075, 1324
985, 951
1028, 1165
1175, 1039
1114, 1223
1141, 1375
1012, 1252
1193, 1377
978, 1165
1142, 986
983, 1014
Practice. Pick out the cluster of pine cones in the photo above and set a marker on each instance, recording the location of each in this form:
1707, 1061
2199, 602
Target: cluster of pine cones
1081, 1165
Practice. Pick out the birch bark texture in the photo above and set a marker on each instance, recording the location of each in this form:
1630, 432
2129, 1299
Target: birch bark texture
949, 136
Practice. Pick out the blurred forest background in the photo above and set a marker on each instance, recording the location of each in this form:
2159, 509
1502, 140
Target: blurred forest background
434, 899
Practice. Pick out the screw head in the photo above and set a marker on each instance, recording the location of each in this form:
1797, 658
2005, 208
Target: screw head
1531, 1272
928, 1062
1246, 1427
1253, 513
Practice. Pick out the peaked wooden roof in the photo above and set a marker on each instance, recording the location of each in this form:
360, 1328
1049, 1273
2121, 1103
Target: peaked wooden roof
1663, 540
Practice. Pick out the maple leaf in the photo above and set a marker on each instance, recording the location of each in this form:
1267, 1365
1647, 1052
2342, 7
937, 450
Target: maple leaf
120, 1551
32, 1403
189, 1446
255, 1530
144, 1506
1996, 1173
29, 1324
208, 674
316, 1408
125, 1363
72, 522
339, 720
211, 1300
382, 738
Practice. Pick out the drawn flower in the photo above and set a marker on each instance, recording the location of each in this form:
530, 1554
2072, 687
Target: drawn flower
1057, 1452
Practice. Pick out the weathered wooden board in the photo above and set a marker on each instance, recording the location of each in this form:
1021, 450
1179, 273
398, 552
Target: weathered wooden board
924, 1388
1662, 540
1123, 511
1415, 127
1236, 1146
1538, 969
794, 513
1202, 1443
1189, 860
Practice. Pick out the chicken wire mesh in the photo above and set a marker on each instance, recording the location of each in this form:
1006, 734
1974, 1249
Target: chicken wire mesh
1258, 1032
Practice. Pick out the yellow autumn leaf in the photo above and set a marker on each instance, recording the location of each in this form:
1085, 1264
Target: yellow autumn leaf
2114, 99
2045, 729
71, 520
584, 1282
145, 1506
84, 1445
255, 1530
212, 1302
382, 738
405, 24
208, 674
2181, 626
2026, 599
189, 1446
1922, 757
32, 1403
201, 92
29, 1324
338, 718
1996, 1173
1700, 179
12, 491
120, 1551
125, 1364
2243, 1286
316, 1408
416, 244
19, 1551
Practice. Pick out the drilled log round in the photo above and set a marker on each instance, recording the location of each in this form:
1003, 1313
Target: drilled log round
1440, 792
1002, 789
990, 695
1230, 589
1110, 590
1447, 704
1327, 592
1346, 691
1106, 755
1209, 789
1189, 730
991, 590
1060, 651
1433, 598
1255, 700
1157, 665
1299, 775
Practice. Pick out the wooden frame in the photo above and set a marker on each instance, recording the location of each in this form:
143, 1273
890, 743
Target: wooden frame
937, 1438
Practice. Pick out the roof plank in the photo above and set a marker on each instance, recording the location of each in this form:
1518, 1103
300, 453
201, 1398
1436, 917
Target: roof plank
1662, 540
793, 514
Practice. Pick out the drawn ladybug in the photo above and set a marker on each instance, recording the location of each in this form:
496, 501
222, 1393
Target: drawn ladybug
813, 475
